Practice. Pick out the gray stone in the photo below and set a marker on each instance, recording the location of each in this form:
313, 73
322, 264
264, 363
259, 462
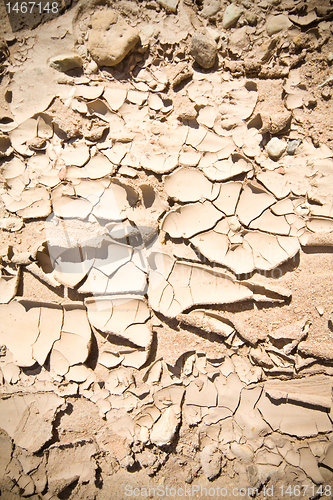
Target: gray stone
66, 62
211, 460
277, 23
210, 8
251, 18
203, 49
111, 38
275, 147
231, 15
169, 5
293, 145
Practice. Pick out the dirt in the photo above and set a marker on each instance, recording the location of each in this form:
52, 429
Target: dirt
185, 351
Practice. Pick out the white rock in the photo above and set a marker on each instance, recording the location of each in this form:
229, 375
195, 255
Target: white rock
277, 23
231, 15
169, 5
275, 147
165, 428
210, 8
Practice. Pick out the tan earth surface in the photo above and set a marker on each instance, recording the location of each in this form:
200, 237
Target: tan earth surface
166, 216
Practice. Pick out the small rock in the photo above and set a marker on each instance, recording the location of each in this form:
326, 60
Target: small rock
251, 18
111, 38
231, 15
210, 8
326, 93
91, 68
203, 49
293, 145
66, 62
279, 121
276, 24
330, 57
36, 144
169, 5
211, 460
275, 148
165, 428
238, 41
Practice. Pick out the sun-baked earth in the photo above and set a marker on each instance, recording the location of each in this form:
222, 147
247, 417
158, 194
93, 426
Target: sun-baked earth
166, 215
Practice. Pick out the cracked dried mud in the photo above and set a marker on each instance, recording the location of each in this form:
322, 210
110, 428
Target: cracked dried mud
166, 223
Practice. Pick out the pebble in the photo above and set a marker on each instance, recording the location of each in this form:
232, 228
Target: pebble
203, 49
330, 57
251, 18
210, 8
231, 15
293, 145
326, 93
277, 23
91, 68
279, 121
275, 147
169, 5
66, 62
